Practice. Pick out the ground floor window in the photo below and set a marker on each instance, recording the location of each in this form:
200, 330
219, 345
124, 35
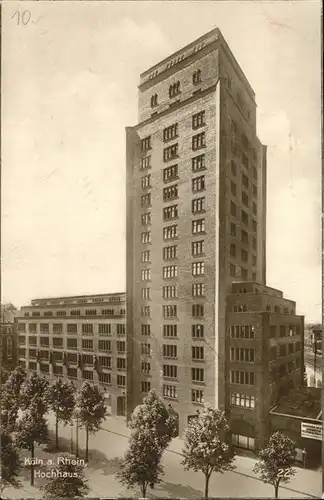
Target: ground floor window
243, 441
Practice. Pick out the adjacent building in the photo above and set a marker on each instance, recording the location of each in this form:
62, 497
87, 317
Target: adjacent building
8, 337
78, 338
196, 222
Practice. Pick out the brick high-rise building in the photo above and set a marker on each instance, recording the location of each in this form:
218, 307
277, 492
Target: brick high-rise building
196, 221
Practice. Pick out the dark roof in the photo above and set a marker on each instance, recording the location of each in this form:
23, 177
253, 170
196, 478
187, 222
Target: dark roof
304, 402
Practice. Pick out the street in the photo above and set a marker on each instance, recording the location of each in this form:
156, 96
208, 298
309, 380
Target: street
309, 365
107, 447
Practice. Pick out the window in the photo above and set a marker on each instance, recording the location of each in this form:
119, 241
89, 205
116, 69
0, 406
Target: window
146, 219
233, 229
170, 371
198, 226
198, 141
170, 212
21, 327
146, 237
154, 100
104, 329
87, 344
32, 353
22, 353
146, 293
146, 143
87, 374
170, 152
44, 368
105, 378
170, 330
121, 380
170, 311
146, 182
60, 313
170, 253
145, 329
146, 311
198, 184
44, 341
198, 120
241, 377
282, 331
233, 250
146, 256
146, 200
146, 368
233, 167
197, 311
170, 173
32, 328
244, 236
198, 268
87, 359
146, 274
121, 364
245, 181
121, 346
145, 163
254, 208
48, 313
58, 342
170, 272
233, 209
255, 173
197, 375
244, 256
57, 328
254, 226
32, 366
244, 218
197, 331
245, 199
198, 290
145, 386
145, 348
198, 163
233, 188
254, 190
242, 354
243, 441
31, 340
197, 396
87, 329
104, 345
72, 343
197, 353
197, 248
170, 132
75, 312
170, 292
196, 77
232, 270
242, 332
105, 361
170, 351
170, 391
170, 192
174, 89
36, 313
22, 339
72, 328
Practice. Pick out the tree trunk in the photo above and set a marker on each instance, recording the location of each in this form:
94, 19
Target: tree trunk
32, 464
87, 445
56, 431
207, 477
143, 490
276, 490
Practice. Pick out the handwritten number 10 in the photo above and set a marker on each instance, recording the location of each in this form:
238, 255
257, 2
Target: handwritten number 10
23, 18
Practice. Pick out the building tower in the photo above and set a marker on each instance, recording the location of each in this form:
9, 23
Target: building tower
196, 222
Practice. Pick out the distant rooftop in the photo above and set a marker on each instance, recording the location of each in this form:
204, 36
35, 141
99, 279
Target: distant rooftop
304, 402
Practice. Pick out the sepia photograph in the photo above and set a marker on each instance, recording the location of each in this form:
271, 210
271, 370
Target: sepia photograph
161, 329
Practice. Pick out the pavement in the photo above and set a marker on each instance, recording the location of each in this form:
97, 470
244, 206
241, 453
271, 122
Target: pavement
108, 445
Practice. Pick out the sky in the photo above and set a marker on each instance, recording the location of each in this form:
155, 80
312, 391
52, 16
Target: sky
69, 89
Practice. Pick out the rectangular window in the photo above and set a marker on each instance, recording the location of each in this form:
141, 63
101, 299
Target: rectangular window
170, 311
44, 341
170, 371
244, 256
145, 348
121, 364
145, 163
233, 188
21, 327
87, 344
197, 311
244, 237
104, 329
197, 331
170, 132
105, 378
105, 361
242, 377
121, 346
254, 190
198, 268
146, 274
170, 330
233, 250
245, 199
146, 143
72, 343
198, 141
197, 374
170, 152
198, 290
146, 293
170, 192
254, 208
170, 272
104, 345
87, 374
198, 226
87, 359
233, 209
145, 386
198, 205
31, 340
146, 368
58, 342
146, 181
170, 391
197, 396
244, 218
198, 120
146, 219
170, 253
75, 312
48, 313
60, 313
245, 181
146, 200
255, 173
242, 400
170, 173
197, 353
242, 354
87, 329
146, 311
146, 256
57, 328
197, 248
170, 351
146, 237
32, 328
170, 292
233, 167
198, 163
170, 212
233, 229
242, 332
146, 329
72, 328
